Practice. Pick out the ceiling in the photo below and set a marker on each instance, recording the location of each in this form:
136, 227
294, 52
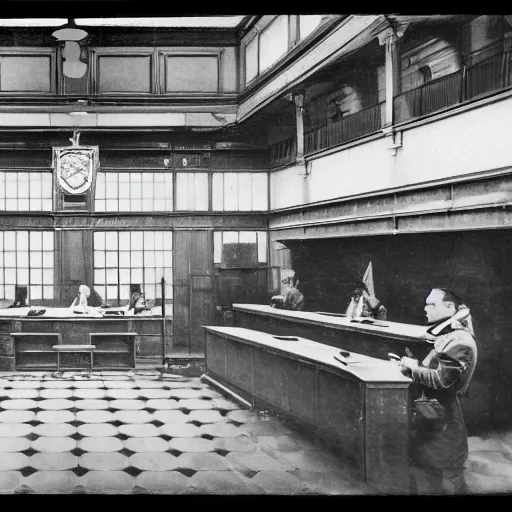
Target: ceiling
223, 22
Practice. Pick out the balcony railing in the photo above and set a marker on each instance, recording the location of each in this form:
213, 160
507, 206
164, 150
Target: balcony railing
482, 74
283, 152
346, 129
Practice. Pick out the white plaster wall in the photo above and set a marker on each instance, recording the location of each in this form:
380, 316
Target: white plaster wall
469, 142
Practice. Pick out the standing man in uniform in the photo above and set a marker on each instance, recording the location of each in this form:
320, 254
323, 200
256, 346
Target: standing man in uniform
440, 447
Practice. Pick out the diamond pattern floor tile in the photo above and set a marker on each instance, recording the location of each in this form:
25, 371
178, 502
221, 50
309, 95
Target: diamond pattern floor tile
100, 444
279, 482
233, 444
88, 384
55, 393
133, 416
282, 443
257, 461
140, 430
146, 444
265, 428
97, 430
54, 444
127, 405
104, 461
170, 482
91, 394
92, 405
12, 461
154, 461
55, 416
242, 416
53, 461
154, 393
58, 384
23, 384
109, 482
223, 429
18, 405
185, 393
171, 416
311, 460
202, 461
13, 444
150, 384
222, 403
52, 482
191, 444
95, 416
57, 404
221, 483
205, 416
119, 384
181, 430
196, 403
163, 404
14, 429
330, 483
122, 394
10, 481
20, 393
17, 416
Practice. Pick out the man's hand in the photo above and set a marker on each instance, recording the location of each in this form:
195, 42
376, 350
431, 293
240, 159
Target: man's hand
409, 362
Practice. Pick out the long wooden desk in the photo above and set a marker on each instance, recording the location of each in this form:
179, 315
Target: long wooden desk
338, 331
362, 407
16, 353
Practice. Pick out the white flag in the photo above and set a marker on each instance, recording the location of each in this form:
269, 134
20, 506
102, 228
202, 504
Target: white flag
368, 280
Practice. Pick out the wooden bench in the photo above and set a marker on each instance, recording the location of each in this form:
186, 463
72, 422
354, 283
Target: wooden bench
74, 349
114, 349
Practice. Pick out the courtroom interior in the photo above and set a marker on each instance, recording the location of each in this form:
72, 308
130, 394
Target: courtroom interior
163, 186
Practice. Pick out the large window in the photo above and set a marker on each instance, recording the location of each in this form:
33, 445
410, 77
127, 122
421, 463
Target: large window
124, 259
240, 248
251, 60
26, 191
239, 191
192, 191
26, 259
133, 191
273, 42
308, 23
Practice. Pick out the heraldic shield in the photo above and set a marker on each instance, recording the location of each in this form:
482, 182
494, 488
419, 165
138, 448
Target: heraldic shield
75, 167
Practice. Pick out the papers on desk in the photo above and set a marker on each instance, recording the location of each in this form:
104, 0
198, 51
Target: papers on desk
369, 321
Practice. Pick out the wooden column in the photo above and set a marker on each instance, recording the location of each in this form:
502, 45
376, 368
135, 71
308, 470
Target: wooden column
389, 40
299, 119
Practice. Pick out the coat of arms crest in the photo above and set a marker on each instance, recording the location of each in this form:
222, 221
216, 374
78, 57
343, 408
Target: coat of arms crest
75, 166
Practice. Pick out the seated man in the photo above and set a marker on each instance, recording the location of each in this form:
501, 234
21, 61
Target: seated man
363, 305
294, 299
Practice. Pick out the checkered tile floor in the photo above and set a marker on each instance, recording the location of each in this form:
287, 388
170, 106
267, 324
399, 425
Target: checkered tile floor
147, 433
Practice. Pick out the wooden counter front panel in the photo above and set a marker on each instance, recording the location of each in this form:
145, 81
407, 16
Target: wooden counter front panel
387, 436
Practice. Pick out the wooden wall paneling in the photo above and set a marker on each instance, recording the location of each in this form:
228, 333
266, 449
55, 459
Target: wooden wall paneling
202, 301
239, 369
215, 347
181, 270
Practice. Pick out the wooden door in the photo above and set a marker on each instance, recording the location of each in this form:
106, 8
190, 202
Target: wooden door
75, 263
193, 289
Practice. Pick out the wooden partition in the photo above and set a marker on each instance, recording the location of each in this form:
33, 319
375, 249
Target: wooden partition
376, 340
362, 407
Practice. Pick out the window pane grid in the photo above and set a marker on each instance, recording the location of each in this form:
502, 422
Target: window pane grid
240, 248
25, 191
134, 191
26, 259
124, 258
247, 191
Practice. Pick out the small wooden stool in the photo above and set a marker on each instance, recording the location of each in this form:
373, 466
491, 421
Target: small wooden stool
75, 349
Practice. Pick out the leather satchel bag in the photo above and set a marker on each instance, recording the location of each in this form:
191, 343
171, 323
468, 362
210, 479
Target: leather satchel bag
427, 413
